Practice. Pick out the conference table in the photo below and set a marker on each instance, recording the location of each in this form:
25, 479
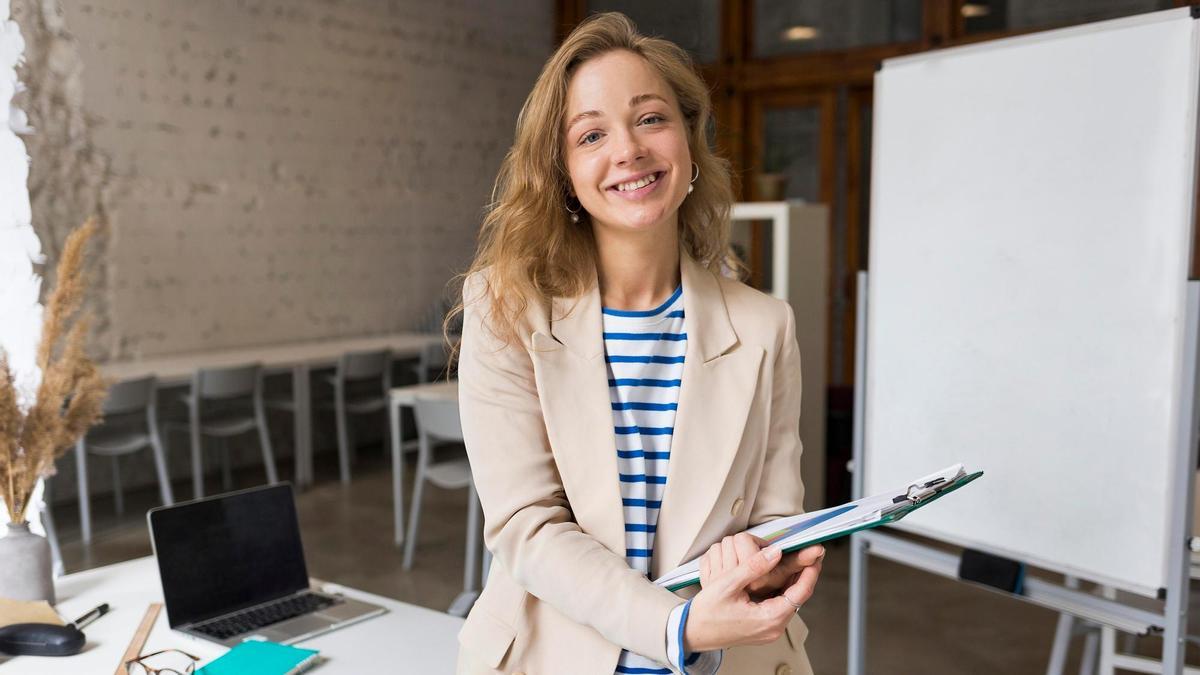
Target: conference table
406, 639
300, 358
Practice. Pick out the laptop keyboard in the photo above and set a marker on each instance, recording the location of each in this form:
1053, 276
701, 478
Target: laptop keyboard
265, 615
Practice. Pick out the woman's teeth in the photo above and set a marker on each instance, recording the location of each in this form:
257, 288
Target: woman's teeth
637, 184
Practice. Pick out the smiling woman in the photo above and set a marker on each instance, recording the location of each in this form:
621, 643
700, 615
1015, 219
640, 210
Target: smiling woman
608, 237
527, 242
627, 154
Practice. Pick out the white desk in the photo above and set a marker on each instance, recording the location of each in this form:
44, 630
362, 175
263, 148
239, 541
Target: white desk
299, 357
406, 397
406, 639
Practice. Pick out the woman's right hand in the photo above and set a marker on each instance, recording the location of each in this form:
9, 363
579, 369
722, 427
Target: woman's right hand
724, 615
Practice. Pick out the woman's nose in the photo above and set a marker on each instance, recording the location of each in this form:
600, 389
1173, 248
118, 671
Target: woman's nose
628, 149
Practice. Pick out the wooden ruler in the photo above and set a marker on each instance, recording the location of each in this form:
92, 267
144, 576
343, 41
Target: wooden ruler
134, 649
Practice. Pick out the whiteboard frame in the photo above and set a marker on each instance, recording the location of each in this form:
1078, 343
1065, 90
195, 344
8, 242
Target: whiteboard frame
1173, 620
1167, 16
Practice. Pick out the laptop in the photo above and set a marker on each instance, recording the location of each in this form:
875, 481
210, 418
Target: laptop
233, 569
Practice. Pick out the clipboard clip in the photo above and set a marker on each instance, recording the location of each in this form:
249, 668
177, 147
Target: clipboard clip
919, 492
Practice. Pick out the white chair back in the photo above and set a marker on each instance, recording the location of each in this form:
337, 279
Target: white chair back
129, 396
210, 383
439, 418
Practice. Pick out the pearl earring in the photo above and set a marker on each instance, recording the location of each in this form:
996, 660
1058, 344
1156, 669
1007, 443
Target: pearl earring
695, 175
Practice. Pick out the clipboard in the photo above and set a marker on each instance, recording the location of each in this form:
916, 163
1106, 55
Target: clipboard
803, 530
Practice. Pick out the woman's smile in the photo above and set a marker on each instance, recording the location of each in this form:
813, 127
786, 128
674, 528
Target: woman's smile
638, 187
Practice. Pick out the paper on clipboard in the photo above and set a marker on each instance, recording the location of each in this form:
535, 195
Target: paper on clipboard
805, 529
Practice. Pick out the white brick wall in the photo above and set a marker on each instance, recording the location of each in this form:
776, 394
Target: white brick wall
295, 169
271, 171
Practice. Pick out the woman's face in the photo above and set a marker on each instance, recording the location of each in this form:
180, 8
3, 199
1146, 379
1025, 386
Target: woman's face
625, 144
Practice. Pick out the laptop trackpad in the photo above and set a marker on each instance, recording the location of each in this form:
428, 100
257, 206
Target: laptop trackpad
294, 628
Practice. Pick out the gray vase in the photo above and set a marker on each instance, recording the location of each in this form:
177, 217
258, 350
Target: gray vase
25, 565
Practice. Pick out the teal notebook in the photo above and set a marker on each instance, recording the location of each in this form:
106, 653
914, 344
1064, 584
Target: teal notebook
262, 658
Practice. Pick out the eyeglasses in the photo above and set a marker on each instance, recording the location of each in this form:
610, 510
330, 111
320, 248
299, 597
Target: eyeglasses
166, 662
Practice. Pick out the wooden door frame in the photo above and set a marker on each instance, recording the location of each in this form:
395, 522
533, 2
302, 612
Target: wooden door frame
825, 101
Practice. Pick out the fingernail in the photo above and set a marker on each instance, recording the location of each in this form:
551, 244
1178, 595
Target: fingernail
772, 552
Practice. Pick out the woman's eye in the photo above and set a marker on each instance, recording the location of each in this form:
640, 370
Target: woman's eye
652, 119
590, 138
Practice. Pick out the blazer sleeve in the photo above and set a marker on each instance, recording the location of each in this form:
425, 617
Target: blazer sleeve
528, 524
781, 492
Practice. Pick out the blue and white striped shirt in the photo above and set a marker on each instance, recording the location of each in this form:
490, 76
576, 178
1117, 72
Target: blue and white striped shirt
644, 353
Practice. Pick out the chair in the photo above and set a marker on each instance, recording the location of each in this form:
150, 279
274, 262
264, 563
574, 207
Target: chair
438, 420
130, 424
234, 401
353, 394
433, 362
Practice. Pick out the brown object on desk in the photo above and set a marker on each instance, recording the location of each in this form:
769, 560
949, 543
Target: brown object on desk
134, 649
23, 611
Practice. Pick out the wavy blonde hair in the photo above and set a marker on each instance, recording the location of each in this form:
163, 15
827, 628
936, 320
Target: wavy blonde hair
531, 249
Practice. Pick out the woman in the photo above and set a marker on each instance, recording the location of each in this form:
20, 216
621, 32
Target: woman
624, 405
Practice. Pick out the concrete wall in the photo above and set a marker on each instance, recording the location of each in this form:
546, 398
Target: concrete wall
271, 171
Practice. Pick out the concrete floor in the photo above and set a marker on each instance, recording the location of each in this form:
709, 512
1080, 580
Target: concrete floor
917, 623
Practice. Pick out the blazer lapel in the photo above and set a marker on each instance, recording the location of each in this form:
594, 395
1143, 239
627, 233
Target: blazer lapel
720, 378
573, 382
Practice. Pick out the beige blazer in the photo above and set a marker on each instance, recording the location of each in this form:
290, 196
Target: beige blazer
560, 598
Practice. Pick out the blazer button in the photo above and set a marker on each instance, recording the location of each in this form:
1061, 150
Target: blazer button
737, 507
783, 669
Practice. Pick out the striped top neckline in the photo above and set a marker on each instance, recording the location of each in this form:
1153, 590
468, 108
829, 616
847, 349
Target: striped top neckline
647, 313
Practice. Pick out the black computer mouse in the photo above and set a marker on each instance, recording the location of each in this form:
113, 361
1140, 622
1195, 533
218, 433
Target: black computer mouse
41, 639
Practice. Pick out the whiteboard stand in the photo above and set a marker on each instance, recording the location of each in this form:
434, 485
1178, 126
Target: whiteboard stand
1180, 561
1108, 612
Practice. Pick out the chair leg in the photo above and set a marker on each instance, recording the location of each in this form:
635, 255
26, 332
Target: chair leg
197, 463
397, 472
414, 515
343, 432
264, 437
160, 467
472, 539
387, 430
85, 507
118, 493
226, 469
1091, 653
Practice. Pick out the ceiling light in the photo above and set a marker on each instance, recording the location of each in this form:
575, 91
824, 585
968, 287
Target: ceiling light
973, 10
797, 33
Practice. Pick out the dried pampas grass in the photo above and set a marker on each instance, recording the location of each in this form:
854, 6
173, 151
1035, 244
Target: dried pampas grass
71, 393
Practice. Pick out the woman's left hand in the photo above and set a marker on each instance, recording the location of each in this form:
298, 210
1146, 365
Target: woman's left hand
740, 547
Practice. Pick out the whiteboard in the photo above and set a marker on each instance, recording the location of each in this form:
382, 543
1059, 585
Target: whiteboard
1032, 204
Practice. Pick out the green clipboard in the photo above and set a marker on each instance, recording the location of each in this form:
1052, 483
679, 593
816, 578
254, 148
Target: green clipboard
918, 496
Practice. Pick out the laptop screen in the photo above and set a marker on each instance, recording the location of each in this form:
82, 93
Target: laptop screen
225, 553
